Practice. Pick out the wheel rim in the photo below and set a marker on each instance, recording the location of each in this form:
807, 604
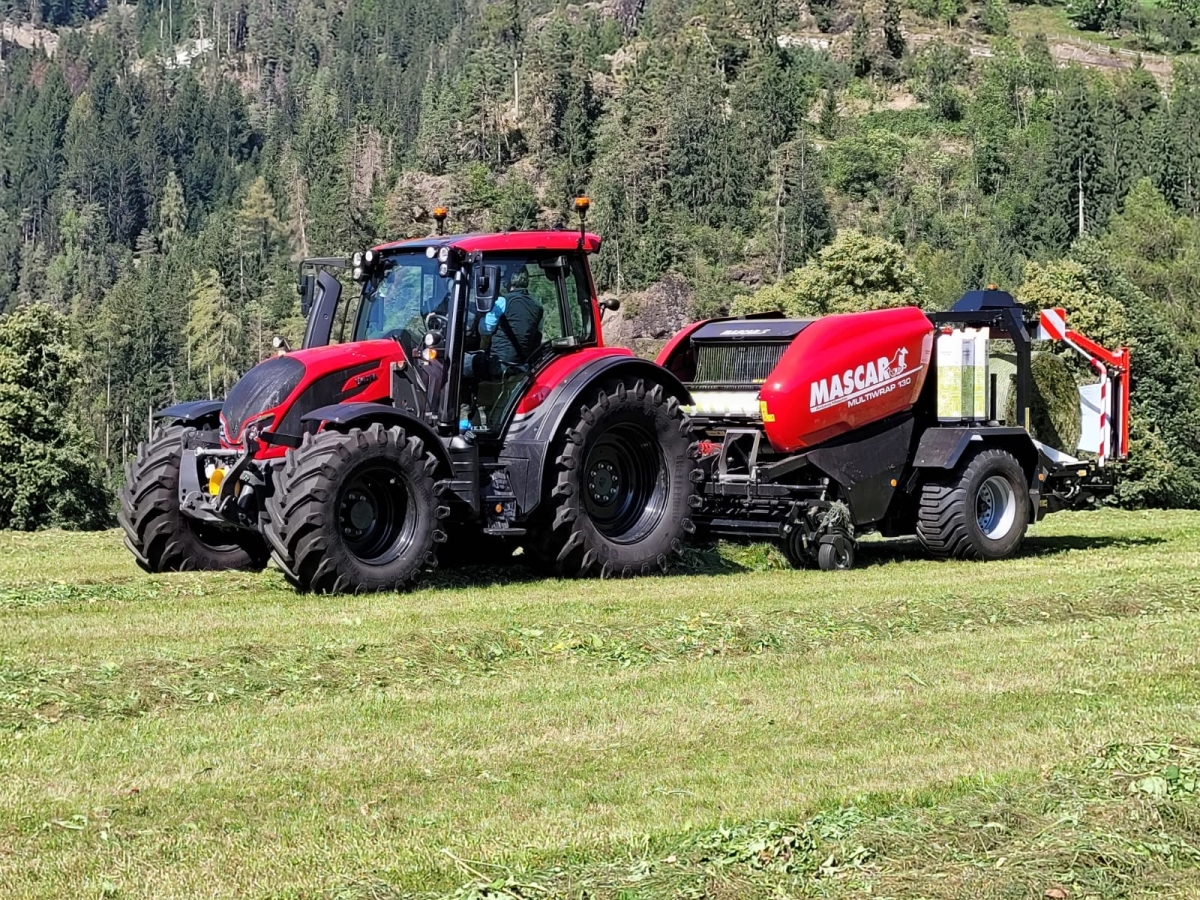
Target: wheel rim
996, 507
625, 483
376, 520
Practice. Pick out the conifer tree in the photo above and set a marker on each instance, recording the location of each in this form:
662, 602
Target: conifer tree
1076, 141
893, 38
214, 334
172, 214
800, 218
860, 49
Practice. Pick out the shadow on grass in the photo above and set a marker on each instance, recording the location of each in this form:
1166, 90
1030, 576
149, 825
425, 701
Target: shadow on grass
1051, 545
703, 559
735, 559
492, 574
874, 553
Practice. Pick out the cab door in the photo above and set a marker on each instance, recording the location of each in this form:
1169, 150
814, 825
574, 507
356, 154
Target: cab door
541, 316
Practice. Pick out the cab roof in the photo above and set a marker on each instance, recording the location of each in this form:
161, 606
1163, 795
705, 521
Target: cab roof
514, 241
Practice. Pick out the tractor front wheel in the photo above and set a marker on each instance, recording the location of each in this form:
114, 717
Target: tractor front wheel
161, 538
621, 496
355, 512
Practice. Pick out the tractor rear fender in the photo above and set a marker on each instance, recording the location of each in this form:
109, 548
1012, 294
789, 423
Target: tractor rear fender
529, 440
192, 412
944, 448
344, 416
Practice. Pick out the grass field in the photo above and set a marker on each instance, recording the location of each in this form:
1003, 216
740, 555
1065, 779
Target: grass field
908, 729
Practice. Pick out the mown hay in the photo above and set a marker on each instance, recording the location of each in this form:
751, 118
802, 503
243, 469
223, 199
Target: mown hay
1002, 371
1054, 414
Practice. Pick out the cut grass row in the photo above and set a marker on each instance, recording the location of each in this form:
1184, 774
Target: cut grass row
54, 691
910, 728
1101, 826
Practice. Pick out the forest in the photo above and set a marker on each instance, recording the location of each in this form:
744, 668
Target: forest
164, 168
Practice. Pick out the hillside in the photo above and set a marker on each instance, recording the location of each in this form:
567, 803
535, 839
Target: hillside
163, 166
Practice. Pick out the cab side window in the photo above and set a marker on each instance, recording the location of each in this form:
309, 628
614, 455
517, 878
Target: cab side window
579, 301
533, 292
544, 289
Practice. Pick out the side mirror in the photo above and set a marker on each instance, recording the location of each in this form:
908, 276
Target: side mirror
610, 303
307, 286
487, 285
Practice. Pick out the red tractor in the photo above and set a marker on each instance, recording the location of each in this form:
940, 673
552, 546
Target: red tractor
467, 404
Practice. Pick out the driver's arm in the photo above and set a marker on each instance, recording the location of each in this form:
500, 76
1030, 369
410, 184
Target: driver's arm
491, 320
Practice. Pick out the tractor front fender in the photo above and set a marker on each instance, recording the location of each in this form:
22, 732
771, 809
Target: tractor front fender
192, 412
344, 416
531, 436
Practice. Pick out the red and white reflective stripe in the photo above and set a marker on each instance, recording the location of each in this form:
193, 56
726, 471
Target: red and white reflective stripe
1102, 450
1052, 324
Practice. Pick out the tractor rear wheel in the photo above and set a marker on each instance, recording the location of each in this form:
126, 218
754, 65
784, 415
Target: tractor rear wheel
356, 511
161, 538
621, 496
979, 512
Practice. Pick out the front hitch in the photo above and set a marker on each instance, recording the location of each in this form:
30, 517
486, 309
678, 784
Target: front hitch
227, 507
226, 496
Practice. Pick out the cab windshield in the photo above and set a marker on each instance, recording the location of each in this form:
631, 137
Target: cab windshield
397, 299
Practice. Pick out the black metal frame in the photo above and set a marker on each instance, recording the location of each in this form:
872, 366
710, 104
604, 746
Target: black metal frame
1005, 323
315, 263
456, 341
318, 328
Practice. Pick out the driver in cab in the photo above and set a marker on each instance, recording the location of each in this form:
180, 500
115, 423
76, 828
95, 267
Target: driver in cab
510, 331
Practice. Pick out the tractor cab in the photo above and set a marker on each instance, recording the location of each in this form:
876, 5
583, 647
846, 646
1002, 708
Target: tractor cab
474, 317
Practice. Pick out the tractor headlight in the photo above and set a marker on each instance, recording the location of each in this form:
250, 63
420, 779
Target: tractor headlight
358, 273
369, 257
443, 270
357, 259
431, 252
444, 255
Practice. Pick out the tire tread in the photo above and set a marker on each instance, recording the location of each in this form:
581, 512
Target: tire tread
296, 527
944, 508
562, 545
156, 532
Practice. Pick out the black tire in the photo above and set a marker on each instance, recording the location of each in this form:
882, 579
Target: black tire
356, 512
621, 491
160, 537
795, 551
979, 512
836, 555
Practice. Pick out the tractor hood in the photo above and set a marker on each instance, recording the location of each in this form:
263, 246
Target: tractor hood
275, 394
337, 356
